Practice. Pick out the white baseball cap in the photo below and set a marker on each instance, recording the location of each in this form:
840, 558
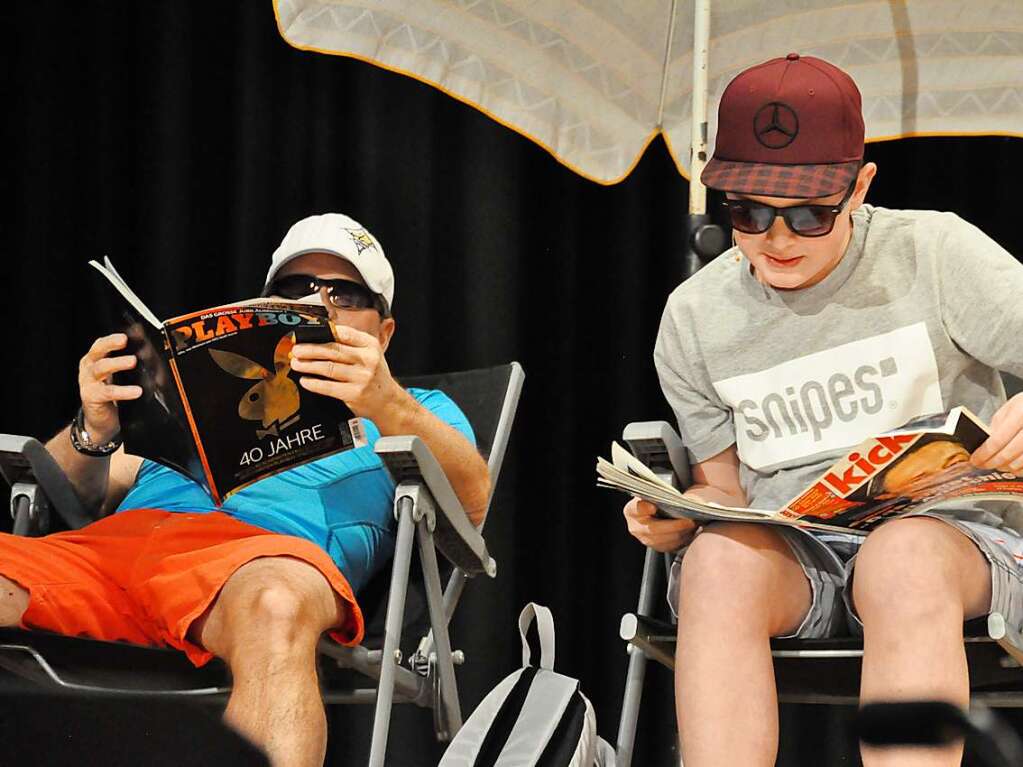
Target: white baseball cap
341, 236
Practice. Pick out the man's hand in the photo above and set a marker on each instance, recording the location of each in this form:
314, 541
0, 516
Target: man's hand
658, 534
97, 393
353, 370
1004, 448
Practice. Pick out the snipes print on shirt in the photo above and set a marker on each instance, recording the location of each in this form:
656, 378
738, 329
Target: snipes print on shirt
834, 398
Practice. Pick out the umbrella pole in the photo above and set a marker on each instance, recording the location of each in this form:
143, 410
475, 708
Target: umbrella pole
706, 240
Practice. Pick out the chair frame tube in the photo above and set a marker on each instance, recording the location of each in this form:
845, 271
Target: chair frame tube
637, 669
448, 711
404, 510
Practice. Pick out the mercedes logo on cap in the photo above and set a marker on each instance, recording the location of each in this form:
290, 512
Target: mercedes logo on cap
775, 125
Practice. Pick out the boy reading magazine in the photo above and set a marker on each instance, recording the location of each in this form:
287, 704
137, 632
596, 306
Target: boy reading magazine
829, 322
892, 475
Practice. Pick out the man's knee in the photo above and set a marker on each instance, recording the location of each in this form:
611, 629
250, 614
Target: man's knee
919, 569
275, 605
13, 602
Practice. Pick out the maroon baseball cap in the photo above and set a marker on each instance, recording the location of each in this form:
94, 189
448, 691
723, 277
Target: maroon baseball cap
790, 127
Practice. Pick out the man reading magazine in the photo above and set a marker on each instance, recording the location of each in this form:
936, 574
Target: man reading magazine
829, 322
256, 581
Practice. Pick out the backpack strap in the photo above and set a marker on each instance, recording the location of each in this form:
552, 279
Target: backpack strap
541, 716
544, 628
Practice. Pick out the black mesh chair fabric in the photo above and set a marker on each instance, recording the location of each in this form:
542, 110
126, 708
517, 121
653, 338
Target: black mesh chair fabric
480, 395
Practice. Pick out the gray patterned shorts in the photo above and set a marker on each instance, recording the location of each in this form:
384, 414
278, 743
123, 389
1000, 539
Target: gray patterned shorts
828, 560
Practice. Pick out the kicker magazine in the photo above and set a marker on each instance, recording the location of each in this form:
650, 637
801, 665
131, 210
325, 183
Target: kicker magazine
219, 401
887, 476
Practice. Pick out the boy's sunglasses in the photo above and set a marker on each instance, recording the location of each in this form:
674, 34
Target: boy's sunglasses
805, 220
342, 294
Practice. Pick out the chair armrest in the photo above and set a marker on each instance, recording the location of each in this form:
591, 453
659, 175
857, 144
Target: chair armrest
409, 460
25, 462
655, 638
658, 445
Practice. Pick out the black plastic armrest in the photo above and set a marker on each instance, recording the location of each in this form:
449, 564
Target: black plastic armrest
409, 460
26, 461
658, 445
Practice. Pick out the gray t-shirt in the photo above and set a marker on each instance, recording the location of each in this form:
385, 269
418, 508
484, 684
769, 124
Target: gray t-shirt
918, 317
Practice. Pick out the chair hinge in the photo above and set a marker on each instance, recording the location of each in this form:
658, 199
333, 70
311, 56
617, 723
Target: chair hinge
38, 504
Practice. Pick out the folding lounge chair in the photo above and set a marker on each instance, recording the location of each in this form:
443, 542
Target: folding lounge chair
824, 671
424, 505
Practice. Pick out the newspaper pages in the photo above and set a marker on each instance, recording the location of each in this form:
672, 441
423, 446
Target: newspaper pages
888, 476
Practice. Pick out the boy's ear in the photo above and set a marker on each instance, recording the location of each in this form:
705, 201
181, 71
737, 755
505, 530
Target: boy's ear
863, 180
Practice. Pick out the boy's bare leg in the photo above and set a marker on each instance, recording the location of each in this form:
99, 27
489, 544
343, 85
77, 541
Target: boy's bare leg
740, 586
916, 580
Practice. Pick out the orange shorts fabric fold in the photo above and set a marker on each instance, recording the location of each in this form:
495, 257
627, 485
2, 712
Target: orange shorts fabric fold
145, 575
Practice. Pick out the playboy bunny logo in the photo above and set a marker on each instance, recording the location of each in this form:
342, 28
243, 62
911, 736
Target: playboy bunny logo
275, 399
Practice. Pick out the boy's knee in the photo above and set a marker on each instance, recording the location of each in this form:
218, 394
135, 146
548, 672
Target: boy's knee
736, 568
725, 552
909, 567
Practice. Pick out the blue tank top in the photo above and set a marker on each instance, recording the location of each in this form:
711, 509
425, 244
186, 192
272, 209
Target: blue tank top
343, 503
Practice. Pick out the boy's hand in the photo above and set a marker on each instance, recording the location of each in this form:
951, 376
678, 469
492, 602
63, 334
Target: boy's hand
658, 534
1003, 450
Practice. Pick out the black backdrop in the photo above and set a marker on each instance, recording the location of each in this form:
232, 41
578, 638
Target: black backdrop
183, 138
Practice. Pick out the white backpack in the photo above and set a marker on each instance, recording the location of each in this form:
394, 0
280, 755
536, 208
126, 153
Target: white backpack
535, 717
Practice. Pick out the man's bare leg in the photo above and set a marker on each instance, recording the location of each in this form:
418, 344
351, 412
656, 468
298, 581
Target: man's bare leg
740, 586
265, 625
13, 602
915, 582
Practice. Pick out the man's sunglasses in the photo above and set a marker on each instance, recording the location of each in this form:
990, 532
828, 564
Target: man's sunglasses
342, 294
805, 220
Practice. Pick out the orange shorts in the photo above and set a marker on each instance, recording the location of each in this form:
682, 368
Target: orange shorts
145, 575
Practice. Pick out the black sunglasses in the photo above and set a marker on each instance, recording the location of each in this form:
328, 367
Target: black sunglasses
342, 294
805, 220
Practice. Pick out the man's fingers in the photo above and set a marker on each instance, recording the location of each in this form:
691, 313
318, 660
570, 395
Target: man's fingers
330, 369
105, 366
123, 392
101, 347
351, 346
351, 355
336, 389
349, 335
104, 393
